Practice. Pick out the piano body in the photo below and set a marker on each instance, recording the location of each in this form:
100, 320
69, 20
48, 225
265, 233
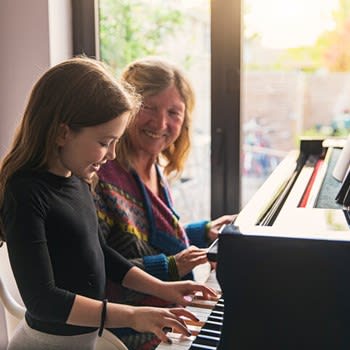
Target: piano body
284, 265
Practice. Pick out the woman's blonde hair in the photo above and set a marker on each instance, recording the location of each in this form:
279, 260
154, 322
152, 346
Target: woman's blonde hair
79, 92
149, 76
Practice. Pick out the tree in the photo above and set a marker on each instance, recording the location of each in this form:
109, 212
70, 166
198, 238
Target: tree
337, 54
130, 29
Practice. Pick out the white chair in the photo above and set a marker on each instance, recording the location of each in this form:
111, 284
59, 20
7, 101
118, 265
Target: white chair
109, 341
7, 305
11, 305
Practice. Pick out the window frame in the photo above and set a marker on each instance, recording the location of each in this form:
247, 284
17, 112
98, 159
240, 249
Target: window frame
226, 34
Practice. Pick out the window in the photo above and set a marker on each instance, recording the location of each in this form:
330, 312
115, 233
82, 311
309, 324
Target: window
220, 28
295, 78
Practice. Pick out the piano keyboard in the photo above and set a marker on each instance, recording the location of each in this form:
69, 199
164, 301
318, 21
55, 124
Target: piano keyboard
206, 332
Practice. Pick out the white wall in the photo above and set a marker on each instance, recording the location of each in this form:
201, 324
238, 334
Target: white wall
34, 35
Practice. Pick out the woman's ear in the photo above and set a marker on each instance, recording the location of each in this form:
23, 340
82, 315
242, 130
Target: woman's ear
62, 134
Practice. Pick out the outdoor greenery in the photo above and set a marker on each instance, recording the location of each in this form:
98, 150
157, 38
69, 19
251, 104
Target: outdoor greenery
131, 29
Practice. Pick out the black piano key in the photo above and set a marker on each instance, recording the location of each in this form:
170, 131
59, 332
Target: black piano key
209, 342
209, 335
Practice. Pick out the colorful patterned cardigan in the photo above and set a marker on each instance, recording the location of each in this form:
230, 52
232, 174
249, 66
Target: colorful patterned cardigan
126, 221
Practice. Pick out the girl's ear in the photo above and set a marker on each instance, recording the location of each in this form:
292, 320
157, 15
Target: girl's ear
62, 135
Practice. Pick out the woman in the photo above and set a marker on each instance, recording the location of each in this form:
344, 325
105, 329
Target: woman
75, 116
134, 201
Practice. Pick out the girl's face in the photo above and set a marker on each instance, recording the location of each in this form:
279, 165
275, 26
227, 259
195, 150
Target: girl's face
159, 122
83, 152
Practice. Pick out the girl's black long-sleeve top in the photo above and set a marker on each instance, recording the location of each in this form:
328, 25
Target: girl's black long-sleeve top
55, 249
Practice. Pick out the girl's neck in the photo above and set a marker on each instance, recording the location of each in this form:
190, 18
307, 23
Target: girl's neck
57, 168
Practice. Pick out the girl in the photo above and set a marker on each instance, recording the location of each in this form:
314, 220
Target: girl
75, 116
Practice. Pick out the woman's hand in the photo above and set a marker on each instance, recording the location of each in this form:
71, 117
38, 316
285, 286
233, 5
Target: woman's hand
182, 292
216, 224
161, 320
188, 258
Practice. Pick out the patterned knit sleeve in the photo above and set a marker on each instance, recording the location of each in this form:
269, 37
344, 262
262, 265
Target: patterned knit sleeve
197, 233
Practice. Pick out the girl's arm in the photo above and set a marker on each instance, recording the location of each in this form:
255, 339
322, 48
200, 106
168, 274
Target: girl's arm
87, 312
180, 292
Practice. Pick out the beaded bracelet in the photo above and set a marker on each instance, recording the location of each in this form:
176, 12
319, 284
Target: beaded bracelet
172, 269
103, 317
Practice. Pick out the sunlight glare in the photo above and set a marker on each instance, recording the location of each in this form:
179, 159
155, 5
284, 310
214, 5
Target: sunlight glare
287, 24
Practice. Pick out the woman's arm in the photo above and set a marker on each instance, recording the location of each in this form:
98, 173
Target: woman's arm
200, 233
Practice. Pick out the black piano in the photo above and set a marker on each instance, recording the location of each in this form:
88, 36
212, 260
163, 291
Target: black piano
284, 265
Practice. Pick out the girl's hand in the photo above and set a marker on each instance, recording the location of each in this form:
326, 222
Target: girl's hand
216, 224
188, 258
182, 292
160, 320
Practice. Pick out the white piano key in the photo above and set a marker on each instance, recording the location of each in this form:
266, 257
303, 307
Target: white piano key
200, 313
209, 304
211, 331
217, 318
179, 342
206, 347
209, 337
217, 312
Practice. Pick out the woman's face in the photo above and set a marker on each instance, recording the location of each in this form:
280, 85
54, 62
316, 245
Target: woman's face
82, 153
159, 122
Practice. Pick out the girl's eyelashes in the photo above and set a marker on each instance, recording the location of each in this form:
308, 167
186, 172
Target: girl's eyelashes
107, 144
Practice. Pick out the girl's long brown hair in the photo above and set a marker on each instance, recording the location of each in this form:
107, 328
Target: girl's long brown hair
79, 92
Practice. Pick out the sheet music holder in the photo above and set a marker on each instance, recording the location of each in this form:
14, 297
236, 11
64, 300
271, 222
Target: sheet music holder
343, 196
342, 166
